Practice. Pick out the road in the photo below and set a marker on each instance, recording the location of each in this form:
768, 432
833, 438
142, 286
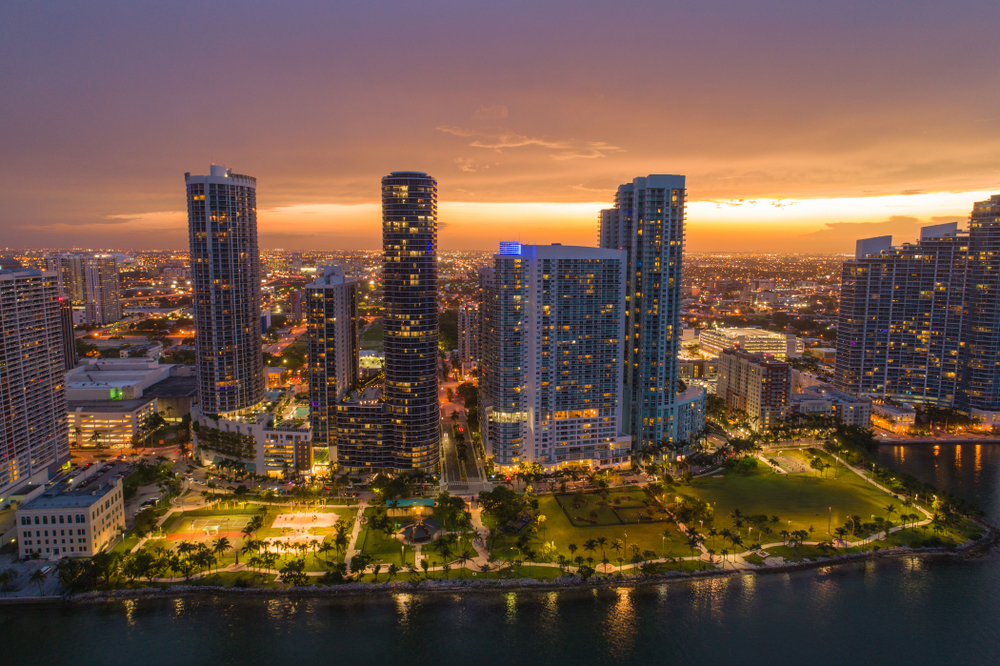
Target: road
474, 478
287, 339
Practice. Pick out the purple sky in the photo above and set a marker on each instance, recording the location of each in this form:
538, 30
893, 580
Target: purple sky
545, 105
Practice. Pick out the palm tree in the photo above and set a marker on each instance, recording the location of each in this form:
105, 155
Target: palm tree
7, 577
890, 509
325, 548
220, 547
618, 545
590, 545
602, 542
38, 578
841, 532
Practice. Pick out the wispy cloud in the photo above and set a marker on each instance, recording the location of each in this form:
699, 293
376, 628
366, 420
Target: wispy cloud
495, 112
468, 164
499, 139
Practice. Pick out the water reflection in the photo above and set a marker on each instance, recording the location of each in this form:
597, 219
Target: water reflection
620, 626
956, 468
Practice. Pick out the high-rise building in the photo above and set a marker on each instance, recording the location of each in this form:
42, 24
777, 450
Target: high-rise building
920, 322
332, 345
757, 384
555, 372
648, 223
33, 438
90, 281
468, 335
68, 339
225, 275
410, 318
487, 346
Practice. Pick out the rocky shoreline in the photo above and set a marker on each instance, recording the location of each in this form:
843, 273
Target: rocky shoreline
967, 550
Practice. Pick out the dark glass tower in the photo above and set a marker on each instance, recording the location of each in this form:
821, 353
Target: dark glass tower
225, 273
410, 318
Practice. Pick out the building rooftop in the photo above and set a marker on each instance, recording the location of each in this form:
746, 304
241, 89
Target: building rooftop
107, 405
59, 498
174, 387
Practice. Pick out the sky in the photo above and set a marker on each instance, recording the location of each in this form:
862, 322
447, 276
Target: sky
800, 125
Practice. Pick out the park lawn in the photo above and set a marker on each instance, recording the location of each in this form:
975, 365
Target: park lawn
755, 559
127, 544
371, 340
800, 501
804, 552
680, 565
558, 528
386, 549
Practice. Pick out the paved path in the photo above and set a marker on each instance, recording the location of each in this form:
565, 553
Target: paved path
352, 545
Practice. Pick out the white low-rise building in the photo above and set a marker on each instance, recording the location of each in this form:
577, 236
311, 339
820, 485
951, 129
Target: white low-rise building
263, 444
62, 522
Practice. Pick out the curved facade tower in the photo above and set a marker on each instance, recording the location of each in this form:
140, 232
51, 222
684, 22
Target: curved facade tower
225, 274
410, 318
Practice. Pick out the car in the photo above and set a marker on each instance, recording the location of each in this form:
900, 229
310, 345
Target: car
47, 568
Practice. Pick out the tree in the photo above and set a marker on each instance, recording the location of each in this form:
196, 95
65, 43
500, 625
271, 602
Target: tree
7, 577
38, 578
220, 547
603, 543
293, 572
841, 533
590, 546
618, 545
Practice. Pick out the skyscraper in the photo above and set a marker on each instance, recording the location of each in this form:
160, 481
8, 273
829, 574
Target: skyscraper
555, 374
920, 322
410, 317
68, 339
468, 335
225, 275
33, 439
332, 345
90, 281
648, 223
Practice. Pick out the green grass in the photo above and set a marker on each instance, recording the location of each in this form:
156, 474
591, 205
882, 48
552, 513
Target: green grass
755, 559
681, 565
384, 548
800, 500
648, 536
371, 340
804, 552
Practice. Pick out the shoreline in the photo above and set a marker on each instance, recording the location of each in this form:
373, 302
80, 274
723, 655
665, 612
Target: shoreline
974, 549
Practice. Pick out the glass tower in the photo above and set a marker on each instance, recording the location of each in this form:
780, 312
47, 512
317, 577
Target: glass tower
410, 318
225, 275
648, 223
332, 320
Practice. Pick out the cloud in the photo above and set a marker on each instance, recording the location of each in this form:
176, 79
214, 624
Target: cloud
499, 139
468, 164
903, 228
495, 112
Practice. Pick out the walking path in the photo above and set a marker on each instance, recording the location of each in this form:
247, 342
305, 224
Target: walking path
352, 545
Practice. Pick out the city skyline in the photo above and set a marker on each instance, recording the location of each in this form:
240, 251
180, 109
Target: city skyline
836, 130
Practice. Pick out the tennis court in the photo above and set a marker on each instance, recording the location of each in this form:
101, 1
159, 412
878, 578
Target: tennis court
214, 524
